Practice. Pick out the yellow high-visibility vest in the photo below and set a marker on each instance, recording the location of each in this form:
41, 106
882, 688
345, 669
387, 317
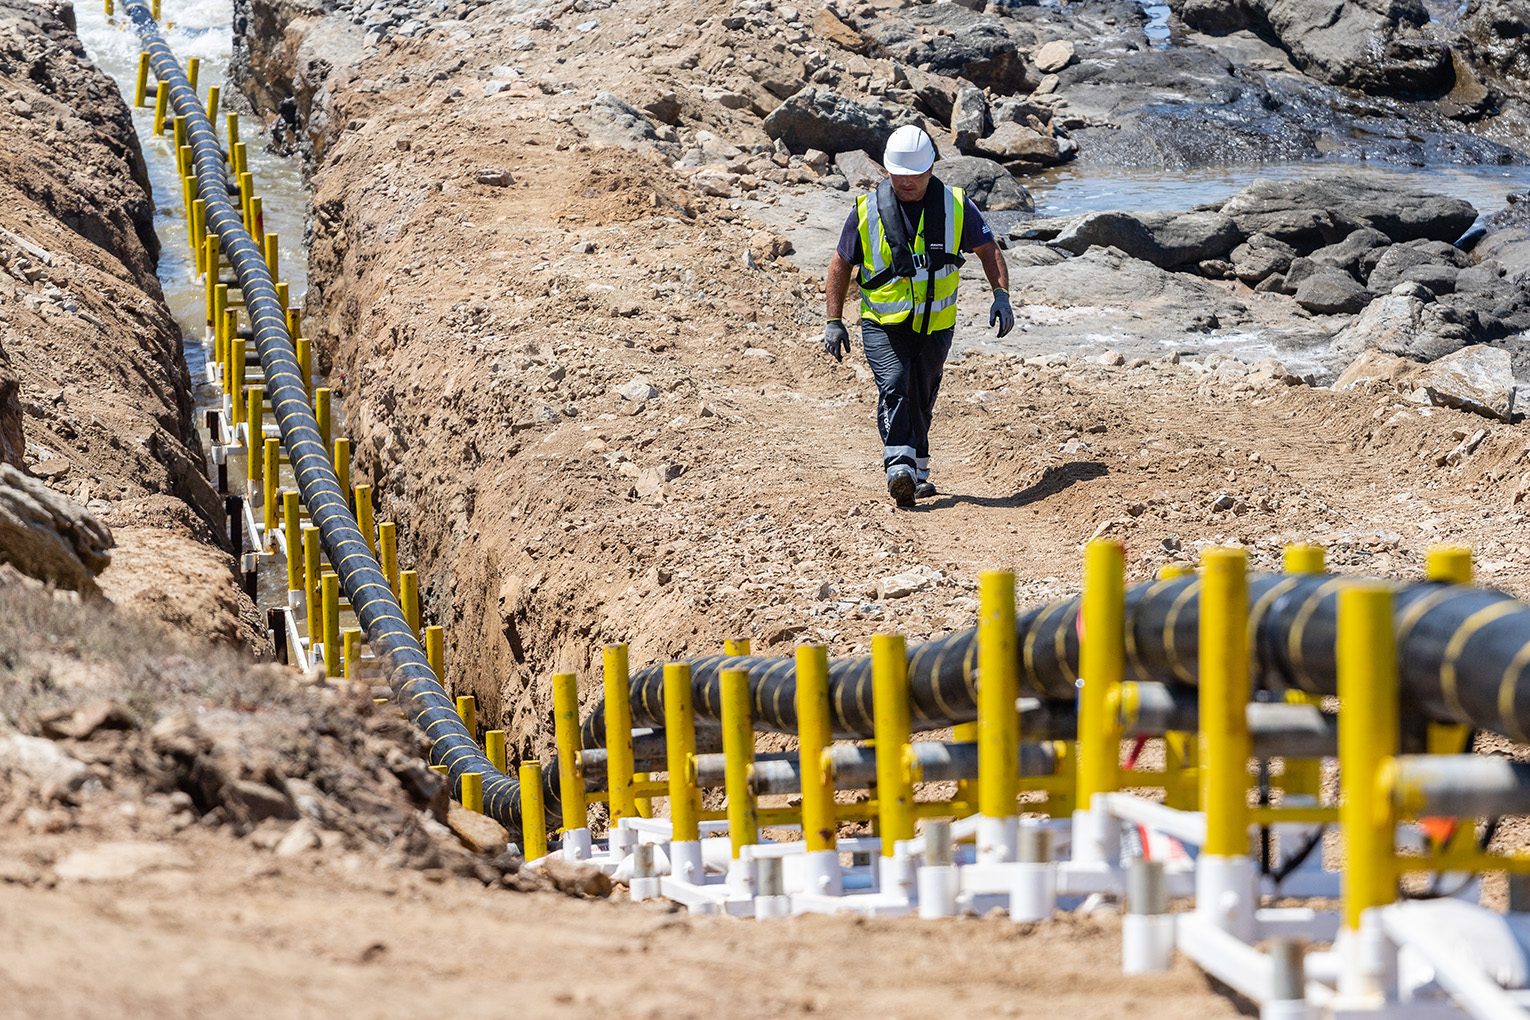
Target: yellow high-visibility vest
887, 298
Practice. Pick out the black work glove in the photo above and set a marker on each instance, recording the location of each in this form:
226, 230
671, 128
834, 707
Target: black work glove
836, 339
1001, 313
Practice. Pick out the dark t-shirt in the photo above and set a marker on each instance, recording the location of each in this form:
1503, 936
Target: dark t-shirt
975, 230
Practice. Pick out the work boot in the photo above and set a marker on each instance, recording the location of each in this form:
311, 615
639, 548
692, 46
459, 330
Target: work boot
900, 486
924, 490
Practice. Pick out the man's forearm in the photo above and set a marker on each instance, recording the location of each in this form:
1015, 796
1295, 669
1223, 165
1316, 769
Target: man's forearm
994, 266
836, 287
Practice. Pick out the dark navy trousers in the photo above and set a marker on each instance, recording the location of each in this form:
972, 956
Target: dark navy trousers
908, 366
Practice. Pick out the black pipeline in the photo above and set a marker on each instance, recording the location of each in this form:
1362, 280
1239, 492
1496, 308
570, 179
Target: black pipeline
1464, 656
414, 684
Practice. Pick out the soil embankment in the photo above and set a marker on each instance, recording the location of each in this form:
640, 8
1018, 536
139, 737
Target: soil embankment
97, 402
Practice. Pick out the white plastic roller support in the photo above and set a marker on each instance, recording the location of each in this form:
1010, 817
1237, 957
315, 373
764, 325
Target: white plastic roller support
1227, 892
1367, 962
623, 841
1033, 891
1288, 994
772, 900
938, 881
741, 878
996, 839
645, 884
1147, 930
822, 874
685, 862
576, 845
1096, 838
897, 874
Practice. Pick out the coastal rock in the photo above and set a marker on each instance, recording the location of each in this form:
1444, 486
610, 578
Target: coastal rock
953, 41
969, 118
1166, 239
1259, 257
1345, 255
990, 187
1053, 57
1478, 379
1396, 260
857, 167
1019, 143
48, 536
1331, 292
1406, 323
611, 120
818, 117
1317, 211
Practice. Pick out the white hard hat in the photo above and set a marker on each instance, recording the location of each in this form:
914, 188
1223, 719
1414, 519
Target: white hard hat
909, 151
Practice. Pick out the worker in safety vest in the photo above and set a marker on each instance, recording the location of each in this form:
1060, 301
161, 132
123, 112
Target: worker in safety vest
906, 240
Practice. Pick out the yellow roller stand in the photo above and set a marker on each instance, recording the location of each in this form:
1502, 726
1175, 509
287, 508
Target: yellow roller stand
294, 322
1102, 667
736, 646
472, 791
1304, 776
329, 595
815, 734
1224, 695
321, 411
305, 362
237, 361
893, 732
232, 133
680, 749
141, 88
494, 749
409, 598
110, 9
387, 543
619, 754
292, 521
161, 99
998, 719
281, 295
570, 769
435, 652
193, 69
350, 653
533, 811
198, 233
341, 459
1451, 564
154, 9
312, 549
272, 463
255, 435
363, 494
257, 217
273, 255
220, 315
966, 789
467, 711
212, 106
1366, 658
738, 759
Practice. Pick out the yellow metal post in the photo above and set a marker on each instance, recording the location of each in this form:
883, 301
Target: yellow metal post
387, 542
364, 518
329, 587
1224, 696
236, 382
257, 216
966, 789
815, 734
494, 748
618, 733
232, 132
350, 653
212, 106
998, 718
161, 99
292, 521
110, 8
321, 411
141, 89
305, 361
311, 567
736, 646
198, 232
1304, 776
273, 255
738, 758
472, 791
281, 295
193, 69
890, 715
533, 811
230, 331
1102, 658
1368, 738
409, 597
467, 711
435, 651
272, 461
680, 748
220, 313
154, 9
1450, 564
255, 435
566, 733
294, 321
342, 462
